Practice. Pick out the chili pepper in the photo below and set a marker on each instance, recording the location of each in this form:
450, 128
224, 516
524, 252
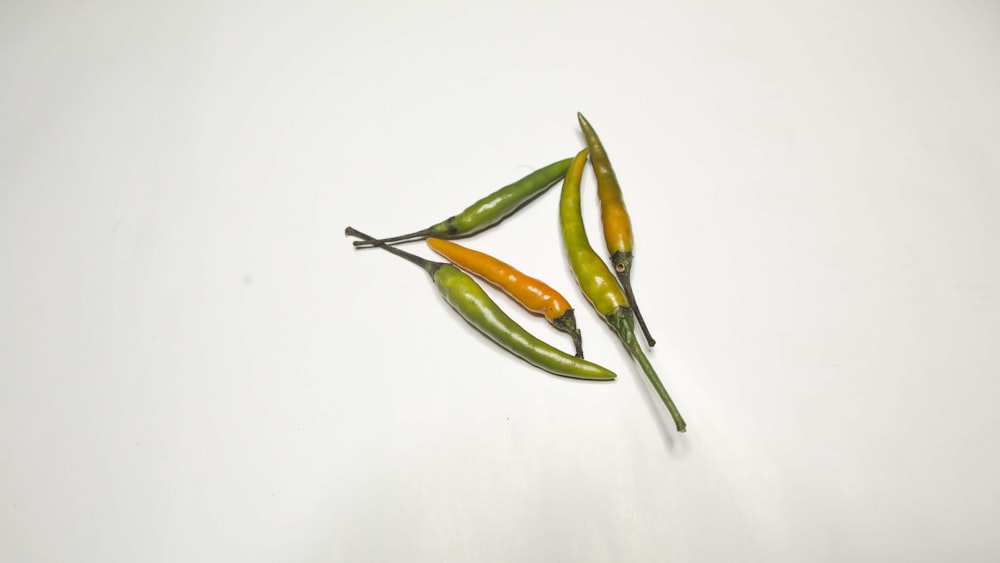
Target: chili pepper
614, 216
535, 295
489, 210
598, 283
475, 306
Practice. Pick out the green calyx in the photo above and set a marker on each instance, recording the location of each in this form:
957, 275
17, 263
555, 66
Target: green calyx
567, 323
622, 261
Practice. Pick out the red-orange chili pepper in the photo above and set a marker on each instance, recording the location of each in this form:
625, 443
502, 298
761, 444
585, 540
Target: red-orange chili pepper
535, 295
615, 218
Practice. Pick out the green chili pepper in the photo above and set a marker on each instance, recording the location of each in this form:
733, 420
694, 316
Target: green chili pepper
489, 210
475, 306
614, 217
598, 283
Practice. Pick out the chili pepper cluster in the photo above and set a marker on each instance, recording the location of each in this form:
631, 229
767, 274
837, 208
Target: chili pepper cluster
609, 293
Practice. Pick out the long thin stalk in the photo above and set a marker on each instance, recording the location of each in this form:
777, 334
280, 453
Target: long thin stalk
414, 236
626, 281
647, 368
429, 266
621, 321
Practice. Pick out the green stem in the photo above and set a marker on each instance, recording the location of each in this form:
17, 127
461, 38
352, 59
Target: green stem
626, 281
623, 269
427, 265
578, 343
414, 236
620, 320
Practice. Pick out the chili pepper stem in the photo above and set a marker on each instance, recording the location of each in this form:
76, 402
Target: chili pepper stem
427, 265
620, 321
623, 269
567, 323
577, 339
417, 235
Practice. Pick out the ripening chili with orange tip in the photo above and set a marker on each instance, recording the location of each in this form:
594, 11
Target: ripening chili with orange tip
614, 217
535, 295
598, 283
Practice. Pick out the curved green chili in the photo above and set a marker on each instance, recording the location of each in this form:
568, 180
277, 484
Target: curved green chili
614, 217
475, 306
489, 210
598, 283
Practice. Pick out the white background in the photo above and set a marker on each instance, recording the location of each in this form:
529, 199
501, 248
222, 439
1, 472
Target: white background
195, 365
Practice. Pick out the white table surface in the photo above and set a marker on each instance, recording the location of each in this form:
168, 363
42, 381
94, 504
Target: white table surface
195, 365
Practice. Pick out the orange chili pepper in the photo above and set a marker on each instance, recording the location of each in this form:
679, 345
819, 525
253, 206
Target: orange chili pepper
535, 295
617, 224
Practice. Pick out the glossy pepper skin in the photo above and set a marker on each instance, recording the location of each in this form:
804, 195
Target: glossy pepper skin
535, 295
598, 283
489, 210
614, 217
475, 306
